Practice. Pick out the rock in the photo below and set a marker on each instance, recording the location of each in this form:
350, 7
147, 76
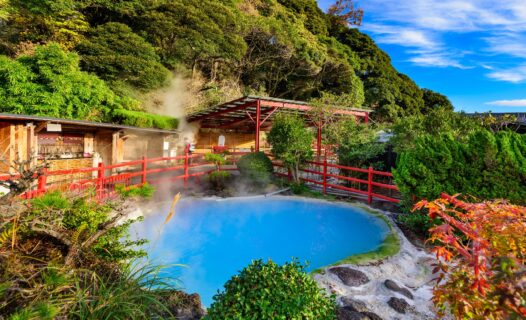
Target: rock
185, 306
350, 277
354, 305
391, 285
372, 315
398, 304
345, 313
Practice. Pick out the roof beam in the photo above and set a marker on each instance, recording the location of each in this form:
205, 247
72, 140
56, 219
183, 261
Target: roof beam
302, 107
220, 112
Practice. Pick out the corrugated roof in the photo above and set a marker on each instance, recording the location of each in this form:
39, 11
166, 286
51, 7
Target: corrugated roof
9, 116
234, 114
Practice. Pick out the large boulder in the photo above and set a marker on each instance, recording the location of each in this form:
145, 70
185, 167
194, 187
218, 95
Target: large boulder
354, 305
393, 286
350, 277
398, 304
184, 306
346, 313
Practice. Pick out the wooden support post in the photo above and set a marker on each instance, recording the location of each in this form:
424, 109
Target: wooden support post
144, 168
186, 162
42, 181
100, 179
258, 123
325, 175
370, 186
319, 142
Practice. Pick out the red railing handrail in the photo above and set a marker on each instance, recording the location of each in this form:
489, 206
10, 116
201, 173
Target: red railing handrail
147, 166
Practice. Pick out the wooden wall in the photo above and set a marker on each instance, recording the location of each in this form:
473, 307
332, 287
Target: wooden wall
17, 142
208, 139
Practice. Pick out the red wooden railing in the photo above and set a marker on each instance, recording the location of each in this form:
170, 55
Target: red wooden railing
104, 178
319, 173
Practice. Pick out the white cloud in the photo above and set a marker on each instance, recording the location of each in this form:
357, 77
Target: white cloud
410, 38
508, 103
426, 49
512, 44
452, 15
513, 75
427, 26
436, 60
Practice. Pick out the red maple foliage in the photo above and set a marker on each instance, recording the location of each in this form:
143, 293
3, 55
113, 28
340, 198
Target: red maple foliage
481, 252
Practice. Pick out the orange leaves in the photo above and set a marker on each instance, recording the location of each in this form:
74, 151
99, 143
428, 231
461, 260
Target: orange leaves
481, 248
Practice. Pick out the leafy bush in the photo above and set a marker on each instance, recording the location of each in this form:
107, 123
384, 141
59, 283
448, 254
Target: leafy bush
137, 293
68, 256
50, 83
143, 191
357, 143
217, 159
256, 167
218, 179
420, 223
486, 165
291, 142
482, 258
145, 120
269, 291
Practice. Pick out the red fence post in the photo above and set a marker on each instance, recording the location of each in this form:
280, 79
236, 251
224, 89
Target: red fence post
325, 175
144, 168
100, 179
370, 185
186, 169
42, 181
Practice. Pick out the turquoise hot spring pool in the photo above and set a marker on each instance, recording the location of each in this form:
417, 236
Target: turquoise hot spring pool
215, 239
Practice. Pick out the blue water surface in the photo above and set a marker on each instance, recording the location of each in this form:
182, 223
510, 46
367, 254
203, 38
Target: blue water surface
215, 239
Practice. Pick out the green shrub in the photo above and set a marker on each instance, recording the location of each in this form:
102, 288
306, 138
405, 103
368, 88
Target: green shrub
418, 222
145, 120
218, 179
257, 167
269, 291
66, 256
485, 165
142, 191
217, 159
136, 293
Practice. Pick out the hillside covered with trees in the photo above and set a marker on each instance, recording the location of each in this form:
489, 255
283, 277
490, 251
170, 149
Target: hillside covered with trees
106, 60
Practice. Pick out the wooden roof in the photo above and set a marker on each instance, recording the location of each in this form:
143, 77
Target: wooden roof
8, 117
239, 114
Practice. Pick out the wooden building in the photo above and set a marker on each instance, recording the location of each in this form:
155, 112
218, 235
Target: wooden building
70, 144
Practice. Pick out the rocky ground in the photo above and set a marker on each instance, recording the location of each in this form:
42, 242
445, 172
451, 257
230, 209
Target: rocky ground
399, 287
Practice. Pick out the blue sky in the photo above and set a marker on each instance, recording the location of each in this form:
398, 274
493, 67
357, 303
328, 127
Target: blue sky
473, 51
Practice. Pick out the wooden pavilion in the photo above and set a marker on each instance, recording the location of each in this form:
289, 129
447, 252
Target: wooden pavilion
241, 121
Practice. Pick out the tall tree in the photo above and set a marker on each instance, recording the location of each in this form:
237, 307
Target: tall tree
115, 52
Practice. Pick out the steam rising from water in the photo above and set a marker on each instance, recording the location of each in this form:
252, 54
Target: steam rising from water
172, 101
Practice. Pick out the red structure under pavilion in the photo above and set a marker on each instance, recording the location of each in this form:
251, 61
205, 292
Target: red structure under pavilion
253, 114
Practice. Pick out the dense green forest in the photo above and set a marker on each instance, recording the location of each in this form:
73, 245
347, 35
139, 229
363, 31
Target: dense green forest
105, 60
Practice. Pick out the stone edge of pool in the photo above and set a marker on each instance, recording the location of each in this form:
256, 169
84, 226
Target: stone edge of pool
389, 247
